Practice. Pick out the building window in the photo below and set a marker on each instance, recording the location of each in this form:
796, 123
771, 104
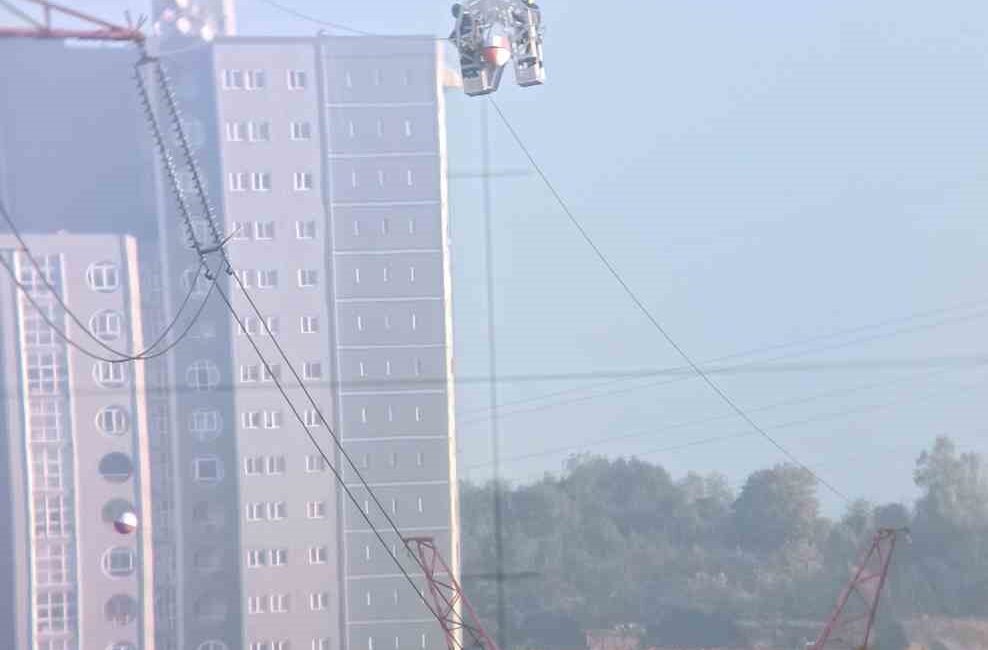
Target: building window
311, 418
103, 277
116, 467
253, 465
120, 610
55, 611
305, 229
297, 79
308, 277
109, 375
106, 325
256, 559
420, 459
267, 279
207, 469
411, 274
315, 509
302, 181
250, 373
53, 516
233, 79
259, 131
203, 375
271, 325
46, 421
237, 181
276, 465
309, 324
315, 464
47, 468
36, 330
408, 128
257, 604
279, 556
249, 325
264, 230
256, 80
272, 419
318, 555
235, 131
260, 181
212, 645
205, 424
240, 230
277, 510
271, 372
301, 130
251, 419
380, 173
255, 511
320, 644
51, 562
279, 603
318, 601
386, 274
409, 178
113, 420
421, 505
312, 370
119, 562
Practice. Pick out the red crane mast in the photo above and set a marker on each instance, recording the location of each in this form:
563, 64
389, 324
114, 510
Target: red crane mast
89, 27
853, 618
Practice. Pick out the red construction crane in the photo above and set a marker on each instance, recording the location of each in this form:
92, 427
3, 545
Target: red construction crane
87, 27
451, 606
853, 620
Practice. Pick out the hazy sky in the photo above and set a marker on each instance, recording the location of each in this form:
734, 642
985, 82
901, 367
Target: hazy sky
762, 173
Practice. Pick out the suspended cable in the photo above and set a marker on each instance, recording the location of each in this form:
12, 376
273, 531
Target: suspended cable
121, 357
651, 317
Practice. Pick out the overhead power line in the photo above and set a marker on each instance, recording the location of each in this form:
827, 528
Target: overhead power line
120, 357
724, 397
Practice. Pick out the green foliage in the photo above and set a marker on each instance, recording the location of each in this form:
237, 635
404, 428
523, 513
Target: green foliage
618, 542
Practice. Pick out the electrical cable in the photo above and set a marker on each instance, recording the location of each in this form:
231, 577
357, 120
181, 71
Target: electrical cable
123, 357
652, 319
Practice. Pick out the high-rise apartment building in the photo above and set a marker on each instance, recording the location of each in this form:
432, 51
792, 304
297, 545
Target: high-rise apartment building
325, 161
74, 450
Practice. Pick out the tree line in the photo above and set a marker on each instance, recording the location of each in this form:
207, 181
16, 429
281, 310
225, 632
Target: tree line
687, 562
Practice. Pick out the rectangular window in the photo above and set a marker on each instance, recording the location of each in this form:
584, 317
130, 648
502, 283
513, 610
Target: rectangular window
279, 603
279, 556
272, 419
318, 601
249, 325
257, 604
305, 229
252, 465
312, 418
264, 230
260, 181
302, 181
320, 644
259, 131
277, 510
55, 611
207, 470
255, 511
420, 459
233, 79
309, 324
234, 131
267, 279
276, 465
318, 555
315, 464
301, 130
36, 330
46, 421
251, 419
421, 505
308, 277
256, 80
256, 559
297, 79
43, 373
315, 510
52, 564
53, 517
271, 372
312, 370
408, 128
240, 230
238, 181
249, 373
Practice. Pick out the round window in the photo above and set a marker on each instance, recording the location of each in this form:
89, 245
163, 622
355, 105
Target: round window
203, 375
103, 277
116, 467
106, 325
113, 420
120, 610
119, 562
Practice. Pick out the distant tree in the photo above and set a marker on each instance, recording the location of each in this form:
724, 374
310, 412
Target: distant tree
891, 635
892, 515
693, 628
776, 507
552, 630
